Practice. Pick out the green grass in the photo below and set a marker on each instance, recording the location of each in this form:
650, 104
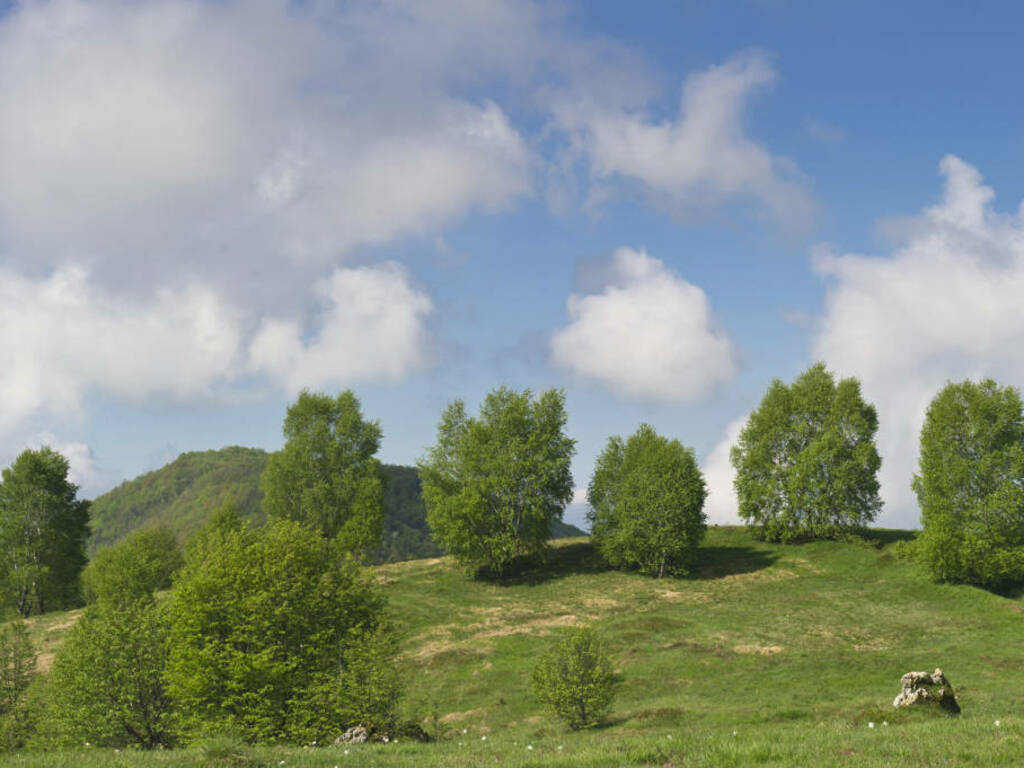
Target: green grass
768, 655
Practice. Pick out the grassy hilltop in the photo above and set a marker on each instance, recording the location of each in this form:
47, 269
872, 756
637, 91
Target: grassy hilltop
183, 494
769, 655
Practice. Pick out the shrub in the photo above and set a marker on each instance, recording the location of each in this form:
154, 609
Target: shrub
134, 568
575, 679
493, 485
262, 621
106, 686
647, 500
970, 485
806, 462
17, 666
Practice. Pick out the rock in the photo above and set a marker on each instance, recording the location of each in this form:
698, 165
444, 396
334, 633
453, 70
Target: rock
931, 689
357, 734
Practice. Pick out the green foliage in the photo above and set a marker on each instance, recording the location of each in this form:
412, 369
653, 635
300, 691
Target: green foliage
406, 534
575, 679
806, 462
261, 621
494, 485
647, 501
43, 530
17, 666
326, 474
106, 686
135, 567
970, 485
181, 495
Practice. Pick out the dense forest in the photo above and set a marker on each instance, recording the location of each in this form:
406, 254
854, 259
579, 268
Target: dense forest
183, 494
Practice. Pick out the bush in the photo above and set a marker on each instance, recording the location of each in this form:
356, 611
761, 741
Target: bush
575, 679
970, 485
806, 462
134, 568
493, 485
647, 500
17, 666
106, 686
262, 622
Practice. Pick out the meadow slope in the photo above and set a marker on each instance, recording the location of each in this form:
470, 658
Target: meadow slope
767, 655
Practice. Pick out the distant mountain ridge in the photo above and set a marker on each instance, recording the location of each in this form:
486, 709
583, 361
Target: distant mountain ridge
183, 493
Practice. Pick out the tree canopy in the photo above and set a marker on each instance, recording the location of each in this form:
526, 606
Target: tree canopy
493, 485
261, 623
326, 474
134, 568
970, 485
43, 532
806, 462
646, 503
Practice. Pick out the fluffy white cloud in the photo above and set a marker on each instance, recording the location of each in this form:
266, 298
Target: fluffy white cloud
648, 333
703, 156
944, 305
372, 326
231, 140
721, 505
90, 477
63, 337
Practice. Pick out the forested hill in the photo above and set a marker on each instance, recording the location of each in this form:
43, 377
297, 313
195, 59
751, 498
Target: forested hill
183, 493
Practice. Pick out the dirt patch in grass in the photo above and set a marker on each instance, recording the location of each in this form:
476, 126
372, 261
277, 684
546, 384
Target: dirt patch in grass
44, 661
534, 626
691, 597
760, 650
454, 717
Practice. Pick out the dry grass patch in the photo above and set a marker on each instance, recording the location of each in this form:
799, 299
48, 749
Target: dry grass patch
759, 650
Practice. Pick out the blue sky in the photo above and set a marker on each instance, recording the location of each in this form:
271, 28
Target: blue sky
659, 207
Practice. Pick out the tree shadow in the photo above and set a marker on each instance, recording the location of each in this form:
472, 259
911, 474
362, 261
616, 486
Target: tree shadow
881, 537
719, 562
558, 562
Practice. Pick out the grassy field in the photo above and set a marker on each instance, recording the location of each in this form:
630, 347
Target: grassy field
768, 655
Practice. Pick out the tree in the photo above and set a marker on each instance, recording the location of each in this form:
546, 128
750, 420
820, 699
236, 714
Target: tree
262, 621
647, 500
575, 679
493, 485
135, 567
970, 485
43, 531
106, 685
326, 474
806, 462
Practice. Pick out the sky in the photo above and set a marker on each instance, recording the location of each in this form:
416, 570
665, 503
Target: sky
658, 207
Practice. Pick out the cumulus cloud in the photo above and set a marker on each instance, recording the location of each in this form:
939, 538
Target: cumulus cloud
944, 305
230, 139
648, 333
372, 326
63, 337
702, 156
721, 505
83, 471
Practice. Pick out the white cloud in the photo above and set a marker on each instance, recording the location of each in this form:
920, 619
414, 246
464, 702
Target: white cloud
63, 337
721, 505
234, 140
83, 471
944, 305
704, 155
372, 326
648, 333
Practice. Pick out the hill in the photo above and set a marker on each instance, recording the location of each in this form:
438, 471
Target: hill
182, 494
768, 655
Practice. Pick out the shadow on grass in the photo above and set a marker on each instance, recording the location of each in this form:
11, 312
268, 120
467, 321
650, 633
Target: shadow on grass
583, 557
719, 562
559, 562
